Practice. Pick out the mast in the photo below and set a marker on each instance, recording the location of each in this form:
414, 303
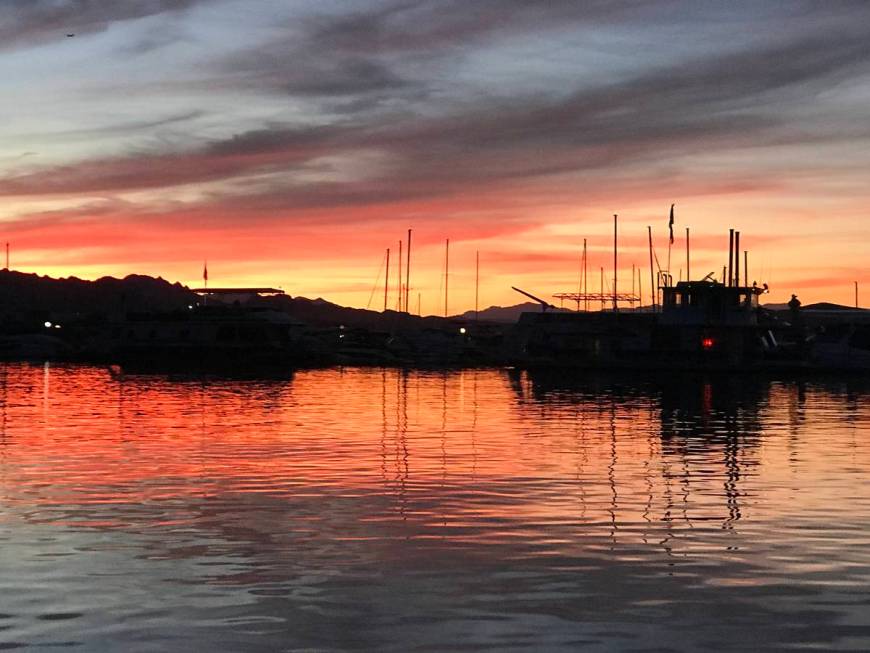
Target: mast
688, 269
737, 258
446, 272
730, 257
615, 218
387, 280
399, 289
407, 275
7, 256
585, 278
632, 285
602, 288
476, 284
652, 274
639, 288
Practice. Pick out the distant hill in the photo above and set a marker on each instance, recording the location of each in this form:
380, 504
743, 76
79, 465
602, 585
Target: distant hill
29, 297
828, 306
505, 314
322, 313
819, 306
24, 294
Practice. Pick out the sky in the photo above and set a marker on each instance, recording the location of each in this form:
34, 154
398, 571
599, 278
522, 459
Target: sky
291, 143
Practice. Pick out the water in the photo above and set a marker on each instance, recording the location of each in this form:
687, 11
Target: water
472, 510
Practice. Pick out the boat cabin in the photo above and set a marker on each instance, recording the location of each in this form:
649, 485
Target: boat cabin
710, 303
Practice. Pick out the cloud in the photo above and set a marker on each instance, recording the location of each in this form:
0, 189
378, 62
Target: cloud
26, 23
367, 117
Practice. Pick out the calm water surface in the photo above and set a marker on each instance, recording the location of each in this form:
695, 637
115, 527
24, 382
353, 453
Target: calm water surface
474, 510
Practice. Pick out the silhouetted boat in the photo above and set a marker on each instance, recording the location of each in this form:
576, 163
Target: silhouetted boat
702, 325
842, 347
220, 338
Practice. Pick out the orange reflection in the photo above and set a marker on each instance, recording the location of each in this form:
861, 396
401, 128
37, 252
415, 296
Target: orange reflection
483, 455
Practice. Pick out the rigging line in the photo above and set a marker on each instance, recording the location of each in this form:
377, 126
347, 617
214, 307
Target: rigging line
377, 281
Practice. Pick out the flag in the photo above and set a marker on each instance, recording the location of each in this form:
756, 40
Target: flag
205, 271
671, 224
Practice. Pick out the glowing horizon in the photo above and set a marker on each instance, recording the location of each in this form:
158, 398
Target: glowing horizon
290, 146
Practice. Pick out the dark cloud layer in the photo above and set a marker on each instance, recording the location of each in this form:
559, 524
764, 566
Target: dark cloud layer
25, 23
763, 92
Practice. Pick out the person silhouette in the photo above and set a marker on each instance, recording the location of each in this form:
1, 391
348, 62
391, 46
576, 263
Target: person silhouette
794, 304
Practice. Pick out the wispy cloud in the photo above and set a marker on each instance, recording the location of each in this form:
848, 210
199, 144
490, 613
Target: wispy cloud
445, 112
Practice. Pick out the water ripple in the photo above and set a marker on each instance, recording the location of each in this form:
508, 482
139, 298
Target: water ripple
474, 510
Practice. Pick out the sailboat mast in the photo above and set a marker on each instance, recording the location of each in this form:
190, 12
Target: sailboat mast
446, 272
585, 278
408, 276
387, 280
476, 285
652, 274
399, 289
615, 250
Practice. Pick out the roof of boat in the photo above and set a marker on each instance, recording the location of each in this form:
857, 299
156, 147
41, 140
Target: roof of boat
238, 291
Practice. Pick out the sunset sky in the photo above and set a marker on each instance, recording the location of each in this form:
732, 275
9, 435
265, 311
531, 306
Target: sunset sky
291, 142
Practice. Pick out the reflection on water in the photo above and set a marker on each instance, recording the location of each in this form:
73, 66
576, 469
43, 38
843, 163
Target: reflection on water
380, 509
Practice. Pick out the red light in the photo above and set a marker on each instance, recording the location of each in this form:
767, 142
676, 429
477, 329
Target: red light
707, 343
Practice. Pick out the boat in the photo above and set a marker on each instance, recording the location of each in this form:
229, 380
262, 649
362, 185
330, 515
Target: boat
217, 337
701, 325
